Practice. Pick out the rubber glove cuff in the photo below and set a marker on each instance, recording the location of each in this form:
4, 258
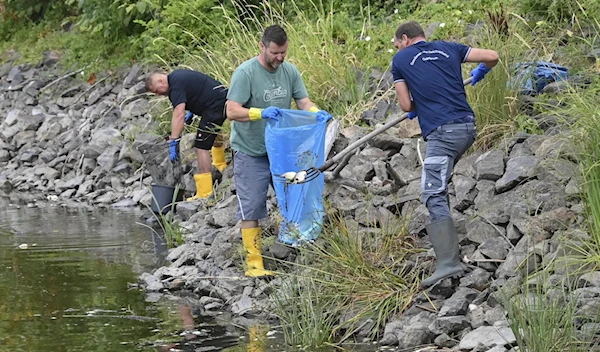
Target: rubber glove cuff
189, 118
255, 114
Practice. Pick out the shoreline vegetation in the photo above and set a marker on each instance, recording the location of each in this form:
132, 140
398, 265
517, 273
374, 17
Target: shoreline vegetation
341, 48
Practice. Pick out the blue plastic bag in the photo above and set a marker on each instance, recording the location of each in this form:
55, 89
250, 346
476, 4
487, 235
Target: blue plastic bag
297, 142
532, 77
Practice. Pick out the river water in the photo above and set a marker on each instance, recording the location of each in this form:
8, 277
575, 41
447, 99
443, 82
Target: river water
67, 283
68, 280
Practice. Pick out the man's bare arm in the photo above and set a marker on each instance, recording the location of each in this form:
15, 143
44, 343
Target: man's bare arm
403, 96
177, 121
488, 57
236, 112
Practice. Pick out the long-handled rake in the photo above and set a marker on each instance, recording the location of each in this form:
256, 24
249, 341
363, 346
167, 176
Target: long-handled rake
311, 173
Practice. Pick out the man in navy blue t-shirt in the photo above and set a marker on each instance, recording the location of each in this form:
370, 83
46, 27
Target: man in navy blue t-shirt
204, 96
429, 84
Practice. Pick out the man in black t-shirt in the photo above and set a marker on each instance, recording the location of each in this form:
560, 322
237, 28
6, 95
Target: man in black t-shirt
203, 96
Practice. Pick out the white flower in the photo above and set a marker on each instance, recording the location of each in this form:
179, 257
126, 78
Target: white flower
442, 24
392, 40
470, 12
367, 38
390, 50
396, 11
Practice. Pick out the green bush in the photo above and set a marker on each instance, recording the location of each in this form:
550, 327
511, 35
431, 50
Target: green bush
180, 23
113, 19
20, 14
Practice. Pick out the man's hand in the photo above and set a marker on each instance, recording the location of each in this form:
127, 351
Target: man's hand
174, 150
272, 112
323, 116
412, 115
189, 118
479, 73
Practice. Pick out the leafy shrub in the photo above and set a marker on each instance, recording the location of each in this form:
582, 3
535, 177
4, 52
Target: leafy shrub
177, 23
18, 14
112, 19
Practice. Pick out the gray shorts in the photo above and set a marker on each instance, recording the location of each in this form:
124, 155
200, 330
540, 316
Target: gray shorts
252, 178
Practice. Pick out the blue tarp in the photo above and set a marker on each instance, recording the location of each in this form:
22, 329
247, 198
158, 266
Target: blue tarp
532, 77
297, 142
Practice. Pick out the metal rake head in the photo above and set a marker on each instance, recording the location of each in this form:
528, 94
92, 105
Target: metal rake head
297, 178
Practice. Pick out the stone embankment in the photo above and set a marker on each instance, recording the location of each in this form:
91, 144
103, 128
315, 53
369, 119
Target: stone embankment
72, 141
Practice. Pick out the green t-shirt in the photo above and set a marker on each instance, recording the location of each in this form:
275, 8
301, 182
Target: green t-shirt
253, 86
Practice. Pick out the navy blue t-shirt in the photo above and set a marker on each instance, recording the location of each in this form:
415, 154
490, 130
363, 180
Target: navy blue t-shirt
433, 74
200, 93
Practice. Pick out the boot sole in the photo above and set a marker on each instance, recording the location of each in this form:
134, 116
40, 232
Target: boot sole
456, 275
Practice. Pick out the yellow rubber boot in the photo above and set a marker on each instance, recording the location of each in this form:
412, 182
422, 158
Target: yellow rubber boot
218, 157
252, 243
203, 186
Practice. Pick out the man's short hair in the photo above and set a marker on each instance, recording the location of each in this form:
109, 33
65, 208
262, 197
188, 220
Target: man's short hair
274, 33
411, 29
150, 80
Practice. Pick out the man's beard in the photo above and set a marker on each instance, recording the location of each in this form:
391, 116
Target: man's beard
273, 63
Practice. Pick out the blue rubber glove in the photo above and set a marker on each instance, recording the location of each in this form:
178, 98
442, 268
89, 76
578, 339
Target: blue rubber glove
174, 150
412, 115
189, 118
272, 112
479, 73
323, 116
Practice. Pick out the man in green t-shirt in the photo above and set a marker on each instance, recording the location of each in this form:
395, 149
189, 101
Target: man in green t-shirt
260, 87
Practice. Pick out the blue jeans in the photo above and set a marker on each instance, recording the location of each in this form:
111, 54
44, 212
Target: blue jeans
445, 145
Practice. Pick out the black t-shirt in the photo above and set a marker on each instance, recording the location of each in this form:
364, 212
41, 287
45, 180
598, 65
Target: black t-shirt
199, 92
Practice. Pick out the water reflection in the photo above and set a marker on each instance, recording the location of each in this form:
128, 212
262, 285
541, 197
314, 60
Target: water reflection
68, 290
72, 289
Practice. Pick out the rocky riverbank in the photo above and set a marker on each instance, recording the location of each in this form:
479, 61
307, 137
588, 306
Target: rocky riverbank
72, 141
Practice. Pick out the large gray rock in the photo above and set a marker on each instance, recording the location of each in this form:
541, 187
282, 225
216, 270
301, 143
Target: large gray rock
4, 155
224, 214
136, 108
495, 248
480, 230
413, 335
488, 336
466, 191
405, 169
12, 117
518, 169
490, 165
589, 279
458, 303
50, 129
518, 263
449, 325
104, 137
360, 166
109, 158
151, 283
